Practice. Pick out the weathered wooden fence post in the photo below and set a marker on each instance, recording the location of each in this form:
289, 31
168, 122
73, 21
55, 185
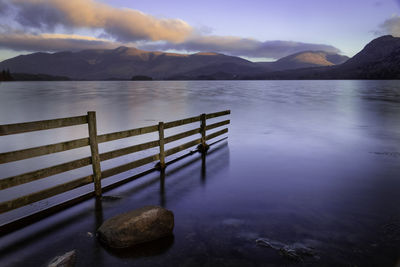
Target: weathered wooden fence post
93, 140
161, 144
203, 147
94, 148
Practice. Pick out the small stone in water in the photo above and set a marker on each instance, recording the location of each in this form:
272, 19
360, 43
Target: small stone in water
66, 260
295, 252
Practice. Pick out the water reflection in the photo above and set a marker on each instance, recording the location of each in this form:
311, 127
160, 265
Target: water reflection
217, 156
82, 221
99, 218
162, 188
98, 210
149, 249
203, 166
307, 160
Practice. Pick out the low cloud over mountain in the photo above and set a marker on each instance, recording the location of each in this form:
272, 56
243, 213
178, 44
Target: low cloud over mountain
243, 46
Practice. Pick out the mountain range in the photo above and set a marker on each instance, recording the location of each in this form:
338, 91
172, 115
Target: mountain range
380, 59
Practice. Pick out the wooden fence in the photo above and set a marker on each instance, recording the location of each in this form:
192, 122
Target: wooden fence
93, 140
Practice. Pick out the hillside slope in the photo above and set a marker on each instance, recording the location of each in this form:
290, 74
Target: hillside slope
120, 63
380, 59
125, 63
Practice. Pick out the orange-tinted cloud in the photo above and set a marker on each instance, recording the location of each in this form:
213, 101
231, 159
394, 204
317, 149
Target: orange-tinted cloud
121, 23
52, 42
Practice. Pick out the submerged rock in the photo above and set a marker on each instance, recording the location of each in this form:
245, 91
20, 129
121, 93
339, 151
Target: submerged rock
265, 242
295, 252
66, 260
138, 226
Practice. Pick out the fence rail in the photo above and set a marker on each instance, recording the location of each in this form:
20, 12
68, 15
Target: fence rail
42, 150
95, 158
41, 125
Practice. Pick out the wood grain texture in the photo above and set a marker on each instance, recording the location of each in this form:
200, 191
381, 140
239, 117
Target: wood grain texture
24, 127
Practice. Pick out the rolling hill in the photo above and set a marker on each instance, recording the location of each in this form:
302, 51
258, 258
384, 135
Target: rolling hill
380, 59
123, 63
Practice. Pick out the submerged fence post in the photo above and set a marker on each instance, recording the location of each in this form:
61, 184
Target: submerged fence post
161, 144
94, 160
203, 147
94, 149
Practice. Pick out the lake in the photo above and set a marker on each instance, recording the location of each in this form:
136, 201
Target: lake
306, 163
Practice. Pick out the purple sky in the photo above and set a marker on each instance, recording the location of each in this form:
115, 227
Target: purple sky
255, 29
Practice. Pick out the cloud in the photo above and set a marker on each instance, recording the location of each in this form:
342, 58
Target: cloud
123, 24
42, 26
242, 46
391, 26
19, 41
3, 6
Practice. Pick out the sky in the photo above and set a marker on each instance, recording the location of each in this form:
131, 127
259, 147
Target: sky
254, 29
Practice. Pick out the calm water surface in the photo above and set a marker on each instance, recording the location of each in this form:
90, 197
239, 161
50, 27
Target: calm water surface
315, 163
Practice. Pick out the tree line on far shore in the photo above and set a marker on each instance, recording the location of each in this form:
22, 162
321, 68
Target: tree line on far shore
5, 76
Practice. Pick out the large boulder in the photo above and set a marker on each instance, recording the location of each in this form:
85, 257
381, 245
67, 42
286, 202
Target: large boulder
138, 226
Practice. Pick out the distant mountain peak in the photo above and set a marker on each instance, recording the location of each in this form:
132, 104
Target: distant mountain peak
384, 37
380, 59
376, 50
124, 49
307, 59
120, 49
